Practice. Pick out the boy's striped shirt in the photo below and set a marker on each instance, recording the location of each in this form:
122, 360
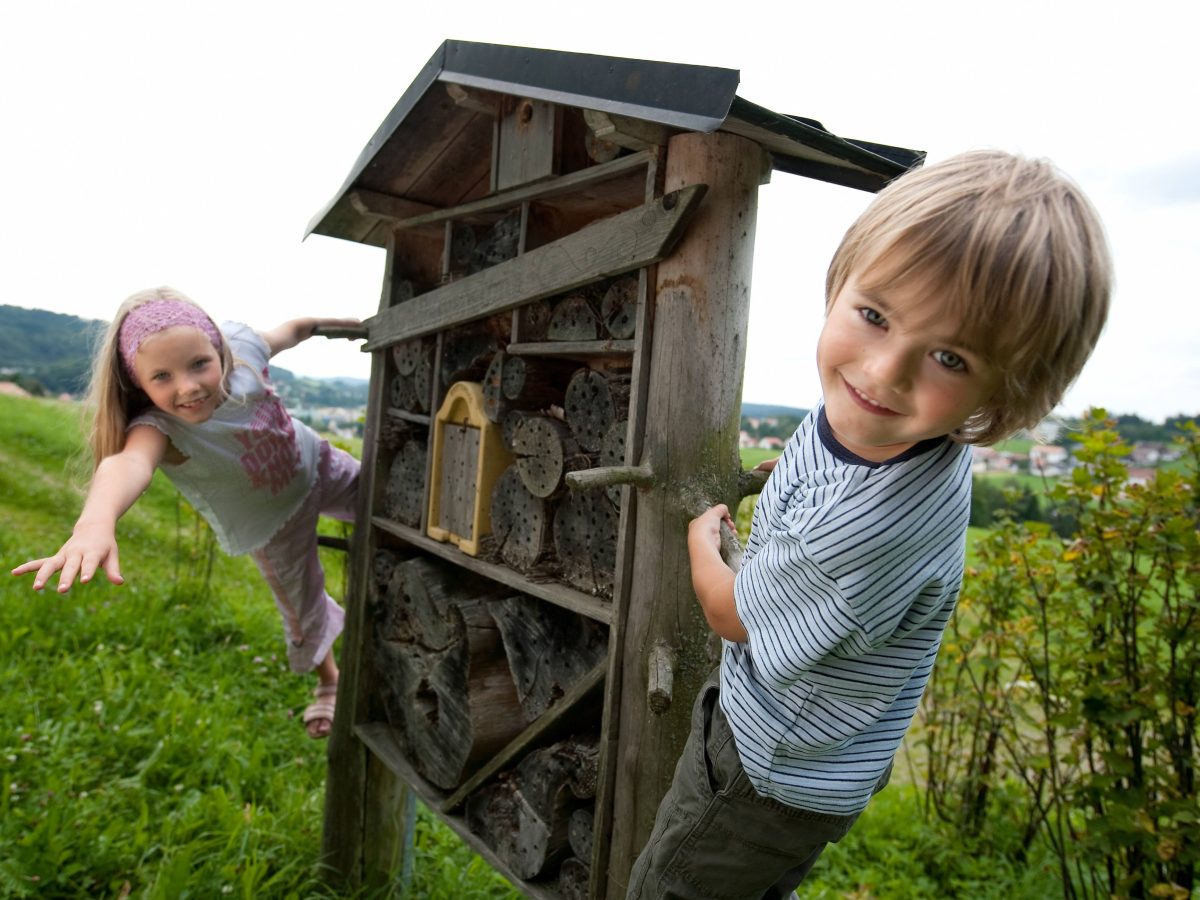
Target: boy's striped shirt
849, 578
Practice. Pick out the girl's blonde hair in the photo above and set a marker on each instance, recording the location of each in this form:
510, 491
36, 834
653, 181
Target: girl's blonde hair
113, 400
1016, 251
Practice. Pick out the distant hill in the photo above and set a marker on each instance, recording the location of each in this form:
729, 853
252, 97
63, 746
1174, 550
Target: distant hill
766, 410
50, 352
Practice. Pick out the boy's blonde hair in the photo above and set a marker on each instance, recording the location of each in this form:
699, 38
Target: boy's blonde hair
113, 399
1017, 251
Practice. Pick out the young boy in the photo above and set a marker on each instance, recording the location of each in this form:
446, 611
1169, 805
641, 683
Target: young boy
959, 307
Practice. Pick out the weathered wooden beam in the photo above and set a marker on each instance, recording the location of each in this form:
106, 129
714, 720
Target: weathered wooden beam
634, 134
386, 206
505, 200
566, 597
572, 349
474, 99
608, 247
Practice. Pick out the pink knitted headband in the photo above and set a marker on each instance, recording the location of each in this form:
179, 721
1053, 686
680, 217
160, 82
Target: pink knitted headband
158, 315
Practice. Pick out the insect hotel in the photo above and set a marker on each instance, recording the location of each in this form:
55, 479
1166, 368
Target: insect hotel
555, 391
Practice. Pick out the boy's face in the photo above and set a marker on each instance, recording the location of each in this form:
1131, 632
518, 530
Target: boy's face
894, 370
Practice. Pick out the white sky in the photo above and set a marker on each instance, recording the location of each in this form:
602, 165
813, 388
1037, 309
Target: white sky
145, 143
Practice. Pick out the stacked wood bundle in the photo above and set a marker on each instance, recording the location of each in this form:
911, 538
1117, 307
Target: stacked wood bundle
549, 649
444, 681
525, 816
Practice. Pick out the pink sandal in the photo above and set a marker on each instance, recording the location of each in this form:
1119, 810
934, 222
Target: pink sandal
322, 708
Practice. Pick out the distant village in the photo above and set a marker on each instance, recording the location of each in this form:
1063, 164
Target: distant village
1046, 460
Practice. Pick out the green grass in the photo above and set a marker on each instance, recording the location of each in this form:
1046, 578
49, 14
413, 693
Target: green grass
150, 741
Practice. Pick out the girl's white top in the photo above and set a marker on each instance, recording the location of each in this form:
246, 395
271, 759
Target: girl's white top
251, 464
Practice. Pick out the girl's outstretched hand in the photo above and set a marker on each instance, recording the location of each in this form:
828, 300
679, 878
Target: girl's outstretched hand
90, 548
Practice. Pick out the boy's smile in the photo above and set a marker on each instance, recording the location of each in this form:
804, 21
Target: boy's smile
894, 372
180, 371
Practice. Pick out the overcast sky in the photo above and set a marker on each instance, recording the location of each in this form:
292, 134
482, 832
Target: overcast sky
190, 144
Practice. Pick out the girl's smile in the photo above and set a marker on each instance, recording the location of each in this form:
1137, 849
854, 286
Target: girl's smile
180, 371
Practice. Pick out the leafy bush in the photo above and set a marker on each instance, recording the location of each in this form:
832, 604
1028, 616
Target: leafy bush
1071, 673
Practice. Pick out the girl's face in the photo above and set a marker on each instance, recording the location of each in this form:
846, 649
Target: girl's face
894, 370
180, 371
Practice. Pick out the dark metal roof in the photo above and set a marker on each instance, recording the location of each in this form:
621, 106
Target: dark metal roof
680, 97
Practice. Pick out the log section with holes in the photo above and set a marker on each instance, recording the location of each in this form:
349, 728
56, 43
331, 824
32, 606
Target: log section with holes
592, 403
520, 522
446, 685
526, 816
549, 649
546, 450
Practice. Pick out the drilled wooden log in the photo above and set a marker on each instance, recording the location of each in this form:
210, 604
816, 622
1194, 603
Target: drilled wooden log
422, 377
533, 321
525, 818
402, 393
618, 309
592, 403
549, 649
612, 453
444, 682
574, 879
575, 318
494, 406
511, 424
546, 450
383, 565
404, 493
580, 832
466, 355
534, 382
525, 383
462, 246
520, 522
407, 354
585, 538
500, 243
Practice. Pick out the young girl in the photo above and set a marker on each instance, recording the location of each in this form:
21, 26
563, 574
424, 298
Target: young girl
171, 389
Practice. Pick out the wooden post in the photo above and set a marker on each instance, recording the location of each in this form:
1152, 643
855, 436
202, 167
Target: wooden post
699, 347
367, 836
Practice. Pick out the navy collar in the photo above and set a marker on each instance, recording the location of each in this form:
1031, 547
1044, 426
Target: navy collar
834, 446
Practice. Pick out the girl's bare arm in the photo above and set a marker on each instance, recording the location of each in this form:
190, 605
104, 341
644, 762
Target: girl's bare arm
289, 334
118, 482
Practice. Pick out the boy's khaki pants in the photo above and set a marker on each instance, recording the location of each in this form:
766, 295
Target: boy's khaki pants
715, 837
